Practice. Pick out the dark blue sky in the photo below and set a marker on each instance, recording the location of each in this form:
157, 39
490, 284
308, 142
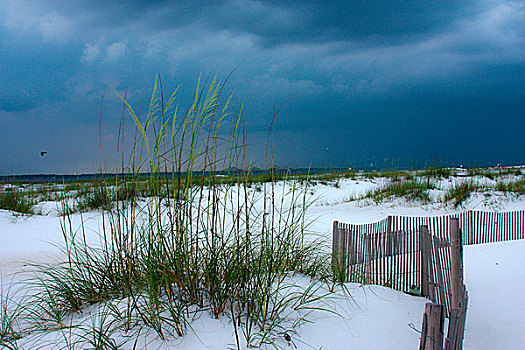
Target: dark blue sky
394, 83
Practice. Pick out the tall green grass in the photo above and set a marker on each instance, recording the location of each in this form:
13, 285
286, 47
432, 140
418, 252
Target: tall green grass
10, 312
197, 244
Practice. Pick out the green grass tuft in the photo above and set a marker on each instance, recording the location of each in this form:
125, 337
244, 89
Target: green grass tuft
515, 187
460, 192
94, 199
410, 189
16, 201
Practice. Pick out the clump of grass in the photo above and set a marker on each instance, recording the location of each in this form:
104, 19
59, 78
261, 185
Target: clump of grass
439, 173
95, 198
16, 201
10, 311
199, 244
460, 192
371, 174
516, 187
489, 173
410, 189
494, 173
101, 331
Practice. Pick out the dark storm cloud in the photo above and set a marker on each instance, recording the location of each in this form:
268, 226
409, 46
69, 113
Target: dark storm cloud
16, 103
367, 66
275, 22
361, 21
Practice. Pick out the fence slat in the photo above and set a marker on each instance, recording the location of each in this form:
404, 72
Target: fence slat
456, 258
432, 333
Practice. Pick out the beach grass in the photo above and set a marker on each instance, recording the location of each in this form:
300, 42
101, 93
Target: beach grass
197, 243
460, 192
413, 190
16, 202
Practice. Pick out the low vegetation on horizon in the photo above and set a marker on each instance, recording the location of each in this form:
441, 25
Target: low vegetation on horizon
413, 185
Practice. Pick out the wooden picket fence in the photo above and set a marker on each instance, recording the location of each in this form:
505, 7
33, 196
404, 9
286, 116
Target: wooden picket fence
422, 255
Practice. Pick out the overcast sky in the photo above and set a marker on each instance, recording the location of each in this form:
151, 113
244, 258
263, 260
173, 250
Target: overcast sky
394, 83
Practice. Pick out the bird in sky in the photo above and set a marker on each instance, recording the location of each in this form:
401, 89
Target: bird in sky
43, 153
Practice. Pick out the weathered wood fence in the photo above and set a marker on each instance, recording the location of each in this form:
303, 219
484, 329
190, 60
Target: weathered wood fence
422, 255
486, 227
392, 251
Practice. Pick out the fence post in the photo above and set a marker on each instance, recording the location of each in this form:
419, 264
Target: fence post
338, 248
388, 240
342, 247
432, 328
470, 228
424, 246
350, 247
453, 326
438, 280
456, 325
456, 263
335, 244
464, 304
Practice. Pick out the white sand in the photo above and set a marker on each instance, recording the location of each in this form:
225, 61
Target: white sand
375, 317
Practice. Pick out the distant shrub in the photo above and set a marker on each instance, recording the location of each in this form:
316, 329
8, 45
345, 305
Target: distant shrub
494, 173
350, 174
511, 171
129, 192
394, 175
489, 173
